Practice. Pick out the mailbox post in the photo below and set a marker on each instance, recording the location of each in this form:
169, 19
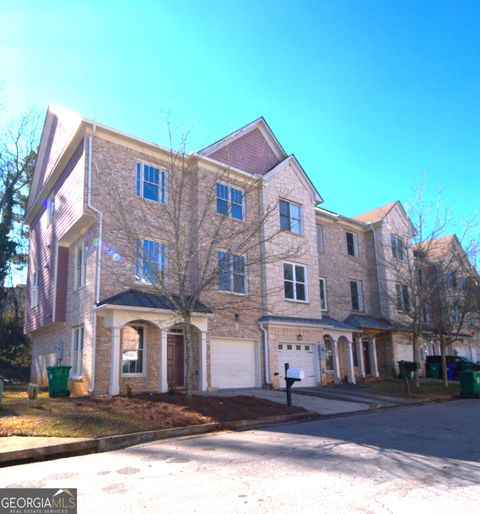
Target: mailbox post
292, 375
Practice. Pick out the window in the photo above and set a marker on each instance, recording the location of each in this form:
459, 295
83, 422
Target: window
323, 295
427, 318
230, 201
352, 243
356, 293
150, 261
290, 217
328, 354
452, 279
280, 346
397, 248
80, 264
151, 183
34, 288
232, 275
320, 246
133, 349
294, 282
298, 347
307, 348
77, 352
50, 209
403, 300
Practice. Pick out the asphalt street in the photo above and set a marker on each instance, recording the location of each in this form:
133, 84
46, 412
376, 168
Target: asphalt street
410, 459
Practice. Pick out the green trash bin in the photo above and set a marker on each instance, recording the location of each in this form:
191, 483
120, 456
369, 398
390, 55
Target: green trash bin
58, 381
434, 370
470, 384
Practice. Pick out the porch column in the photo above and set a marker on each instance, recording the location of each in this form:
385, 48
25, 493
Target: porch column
203, 361
372, 347
360, 357
336, 362
350, 363
163, 361
114, 386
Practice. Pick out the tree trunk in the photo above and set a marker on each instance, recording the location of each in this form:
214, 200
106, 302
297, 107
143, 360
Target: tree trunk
187, 334
443, 348
415, 356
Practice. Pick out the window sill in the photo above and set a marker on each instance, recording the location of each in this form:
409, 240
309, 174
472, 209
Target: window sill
298, 234
157, 202
296, 301
134, 375
232, 292
230, 217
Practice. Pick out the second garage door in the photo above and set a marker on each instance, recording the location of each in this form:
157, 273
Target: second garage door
233, 363
297, 356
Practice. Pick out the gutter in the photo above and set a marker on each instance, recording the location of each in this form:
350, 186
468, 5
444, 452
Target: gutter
265, 342
99, 258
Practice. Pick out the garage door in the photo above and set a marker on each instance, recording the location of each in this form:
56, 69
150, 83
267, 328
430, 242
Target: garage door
297, 356
233, 363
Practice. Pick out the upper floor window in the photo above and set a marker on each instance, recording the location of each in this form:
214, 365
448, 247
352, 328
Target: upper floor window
356, 295
452, 279
397, 248
50, 208
320, 244
403, 300
80, 264
295, 282
232, 276
150, 261
352, 243
151, 183
290, 217
133, 350
323, 295
34, 288
77, 351
230, 201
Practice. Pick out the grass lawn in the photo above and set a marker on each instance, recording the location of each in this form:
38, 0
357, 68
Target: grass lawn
100, 416
428, 389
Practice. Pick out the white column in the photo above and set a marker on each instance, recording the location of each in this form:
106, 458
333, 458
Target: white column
336, 362
360, 357
372, 346
163, 361
350, 364
203, 361
114, 387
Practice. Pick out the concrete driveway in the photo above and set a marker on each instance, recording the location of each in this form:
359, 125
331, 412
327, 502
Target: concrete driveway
312, 403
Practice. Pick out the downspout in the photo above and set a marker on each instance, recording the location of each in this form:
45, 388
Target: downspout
265, 342
98, 260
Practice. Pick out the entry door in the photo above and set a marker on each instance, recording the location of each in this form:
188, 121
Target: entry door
175, 360
366, 356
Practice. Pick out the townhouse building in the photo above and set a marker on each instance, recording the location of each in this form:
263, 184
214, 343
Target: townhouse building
312, 288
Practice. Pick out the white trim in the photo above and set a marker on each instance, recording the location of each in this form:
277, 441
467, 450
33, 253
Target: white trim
35, 288
113, 307
361, 298
229, 201
83, 265
294, 281
290, 202
325, 293
355, 244
246, 283
141, 279
144, 351
142, 181
74, 373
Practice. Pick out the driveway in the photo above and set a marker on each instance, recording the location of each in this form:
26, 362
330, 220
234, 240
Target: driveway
326, 406
418, 459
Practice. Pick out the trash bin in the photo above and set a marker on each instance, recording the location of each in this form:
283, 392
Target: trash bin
434, 369
58, 381
451, 371
470, 384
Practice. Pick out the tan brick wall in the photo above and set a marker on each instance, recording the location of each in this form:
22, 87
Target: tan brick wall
47, 345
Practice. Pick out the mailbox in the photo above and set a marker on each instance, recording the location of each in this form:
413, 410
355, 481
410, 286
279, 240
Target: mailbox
296, 373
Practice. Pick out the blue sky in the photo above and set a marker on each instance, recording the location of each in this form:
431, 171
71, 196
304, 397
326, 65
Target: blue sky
373, 97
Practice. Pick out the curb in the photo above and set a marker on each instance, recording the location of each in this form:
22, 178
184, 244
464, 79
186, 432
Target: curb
247, 424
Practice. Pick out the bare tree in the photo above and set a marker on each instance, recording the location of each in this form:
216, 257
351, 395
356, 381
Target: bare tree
210, 225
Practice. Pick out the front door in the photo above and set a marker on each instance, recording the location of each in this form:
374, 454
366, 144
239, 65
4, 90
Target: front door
366, 356
175, 360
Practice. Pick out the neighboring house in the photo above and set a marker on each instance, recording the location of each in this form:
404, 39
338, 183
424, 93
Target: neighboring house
327, 309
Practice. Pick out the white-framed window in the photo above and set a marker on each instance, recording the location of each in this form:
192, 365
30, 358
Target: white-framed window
320, 242
150, 261
133, 350
151, 182
351, 240
80, 264
50, 208
232, 274
328, 344
323, 294
34, 288
403, 299
295, 282
398, 250
291, 217
230, 201
77, 351
356, 295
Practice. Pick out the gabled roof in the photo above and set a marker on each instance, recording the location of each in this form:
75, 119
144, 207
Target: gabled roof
137, 298
369, 322
376, 214
440, 247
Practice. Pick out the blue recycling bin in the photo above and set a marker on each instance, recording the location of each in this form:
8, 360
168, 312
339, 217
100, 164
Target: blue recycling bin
451, 371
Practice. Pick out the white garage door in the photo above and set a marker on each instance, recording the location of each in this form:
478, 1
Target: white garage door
233, 363
297, 356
